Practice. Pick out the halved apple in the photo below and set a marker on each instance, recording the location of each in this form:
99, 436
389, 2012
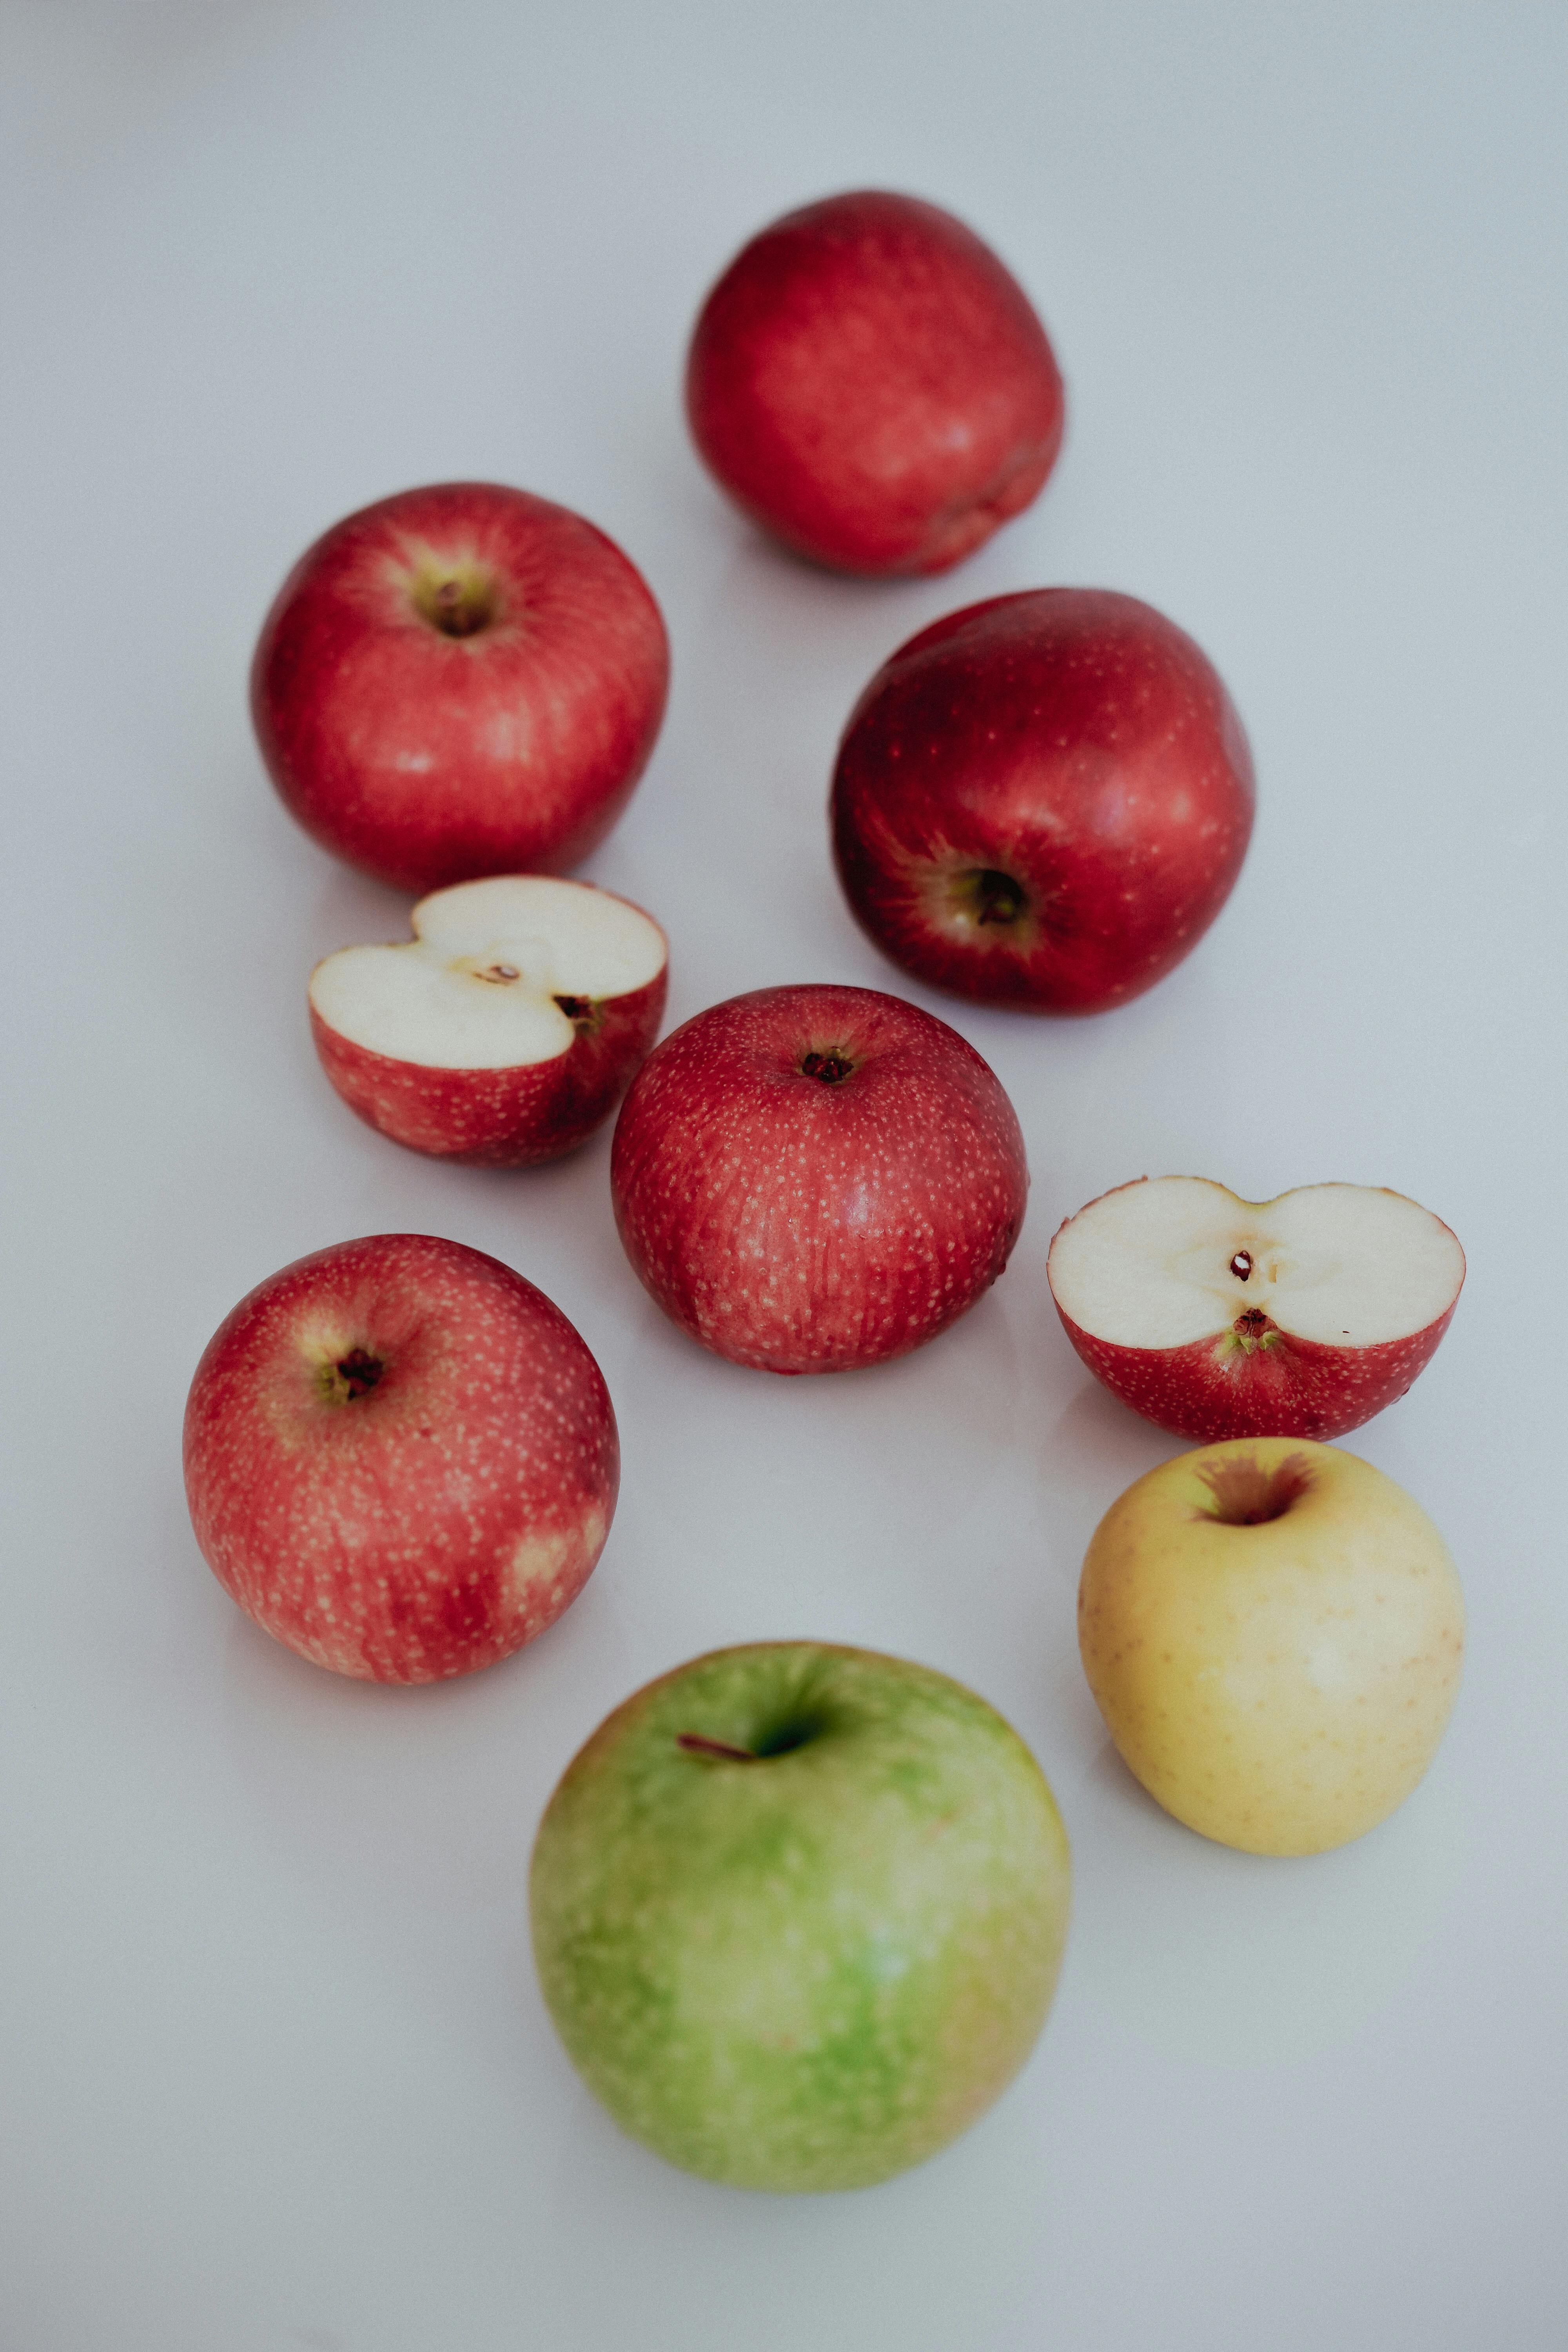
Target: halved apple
506, 1029
1222, 1317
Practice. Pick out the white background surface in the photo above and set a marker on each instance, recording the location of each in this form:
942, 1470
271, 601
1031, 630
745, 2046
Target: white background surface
273, 2069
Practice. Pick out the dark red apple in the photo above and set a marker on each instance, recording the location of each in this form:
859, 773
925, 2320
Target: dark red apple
506, 1029
1221, 1318
1043, 801
460, 680
400, 1458
812, 1179
872, 386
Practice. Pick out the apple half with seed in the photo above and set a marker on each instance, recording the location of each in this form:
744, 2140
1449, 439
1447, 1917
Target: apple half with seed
1221, 1318
506, 1029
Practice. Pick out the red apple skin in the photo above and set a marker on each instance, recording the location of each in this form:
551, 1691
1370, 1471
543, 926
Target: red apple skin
1289, 1388
516, 1118
437, 1520
872, 386
425, 758
798, 1225
1073, 743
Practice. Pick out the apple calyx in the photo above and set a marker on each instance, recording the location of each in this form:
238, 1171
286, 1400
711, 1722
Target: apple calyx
352, 1376
1251, 1328
830, 1067
1247, 1494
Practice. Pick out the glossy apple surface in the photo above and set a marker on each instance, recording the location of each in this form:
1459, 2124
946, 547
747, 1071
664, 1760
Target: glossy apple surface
400, 1458
798, 1912
457, 681
812, 1179
1273, 1631
1043, 801
872, 386
506, 1029
1220, 1318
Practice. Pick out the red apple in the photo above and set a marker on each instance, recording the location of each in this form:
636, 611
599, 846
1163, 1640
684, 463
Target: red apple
460, 680
813, 1179
1043, 801
1221, 1318
506, 1029
872, 386
400, 1458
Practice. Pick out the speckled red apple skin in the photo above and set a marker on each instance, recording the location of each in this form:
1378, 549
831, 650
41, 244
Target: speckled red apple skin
873, 387
1292, 1387
1075, 739
516, 1118
423, 758
438, 1522
803, 1227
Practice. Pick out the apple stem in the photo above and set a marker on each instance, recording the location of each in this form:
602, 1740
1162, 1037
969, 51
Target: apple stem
695, 1744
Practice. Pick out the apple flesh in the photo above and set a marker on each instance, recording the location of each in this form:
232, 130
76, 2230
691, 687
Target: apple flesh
506, 1029
798, 1912
872, 386
1042, 801
1221, 1318
460, 680
400, 1458
1273, 1631
813, 1179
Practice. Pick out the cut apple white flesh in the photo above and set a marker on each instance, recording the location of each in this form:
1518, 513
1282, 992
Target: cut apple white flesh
1222, 1318
505, 1028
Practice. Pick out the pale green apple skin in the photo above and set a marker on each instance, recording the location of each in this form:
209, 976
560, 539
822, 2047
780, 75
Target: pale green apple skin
813, 1970
1280, 1688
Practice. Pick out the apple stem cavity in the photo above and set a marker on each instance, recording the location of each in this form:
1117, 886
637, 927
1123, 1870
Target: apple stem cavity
1246, 1495
1000, 899
829, 1067
460, 609
580, 1009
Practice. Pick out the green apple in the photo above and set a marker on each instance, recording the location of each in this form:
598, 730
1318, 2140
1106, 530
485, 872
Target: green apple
798, 1912
1273, 1631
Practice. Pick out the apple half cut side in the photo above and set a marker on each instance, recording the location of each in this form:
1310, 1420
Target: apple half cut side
1221, 1318
506, 1029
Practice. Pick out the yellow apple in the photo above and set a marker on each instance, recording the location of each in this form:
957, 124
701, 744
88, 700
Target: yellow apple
1272, 1631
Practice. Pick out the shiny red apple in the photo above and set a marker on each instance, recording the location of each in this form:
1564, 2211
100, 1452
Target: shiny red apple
460, 680
506, 1029
1043, 801
400, 1458
872, 386
811, 1179
1221, 1318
